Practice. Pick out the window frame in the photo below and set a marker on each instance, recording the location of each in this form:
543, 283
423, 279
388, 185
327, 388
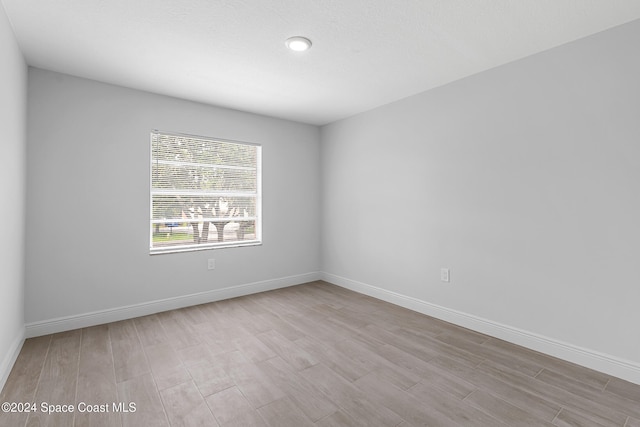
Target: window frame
257, 241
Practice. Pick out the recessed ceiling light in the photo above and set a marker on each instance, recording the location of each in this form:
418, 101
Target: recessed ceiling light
297, 43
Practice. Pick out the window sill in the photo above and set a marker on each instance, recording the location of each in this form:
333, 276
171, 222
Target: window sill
173, 250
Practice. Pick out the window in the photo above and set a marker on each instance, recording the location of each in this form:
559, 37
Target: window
205, 193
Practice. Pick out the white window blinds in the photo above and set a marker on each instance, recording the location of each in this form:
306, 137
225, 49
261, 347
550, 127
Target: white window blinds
204, 193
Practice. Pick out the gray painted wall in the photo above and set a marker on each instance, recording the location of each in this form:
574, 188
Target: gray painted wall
13, 108
523, 180
88, 169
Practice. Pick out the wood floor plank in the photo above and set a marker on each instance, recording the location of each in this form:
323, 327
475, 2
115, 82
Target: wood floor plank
253, 383
460, 354
396, 375
229, 360
287, 350
624, 389
308, 398
451, 409
410, 346
250, 305
166, 367
194, 355
315, 326
275, 305
351, 399
218, 339
427, 372
620, 404
181, 333
128, 354
356, 301
465, 334
366, 336
339, 419
567, 383
392, 317
361, 317
149, 410
632, 422
162, 357
96, 379
231, 409
258, 322
186, 407
254, 349
57, 385
593, 409
569, 418
332, 358
312, 295
580, 373
521, 365
210, 378
502, 410
195, 315
405, 405
284, 413
220, 313
283, 327
23, 380
150, 330
519, 396
316, 293
346, 318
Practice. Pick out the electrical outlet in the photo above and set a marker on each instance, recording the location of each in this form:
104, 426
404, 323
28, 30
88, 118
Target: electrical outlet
211, 264
444, 274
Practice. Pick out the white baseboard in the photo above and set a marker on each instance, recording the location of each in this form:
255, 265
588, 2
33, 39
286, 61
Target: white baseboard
11, 357
84, 320
608, 364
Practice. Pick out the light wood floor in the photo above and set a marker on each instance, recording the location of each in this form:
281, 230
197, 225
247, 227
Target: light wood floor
313, 354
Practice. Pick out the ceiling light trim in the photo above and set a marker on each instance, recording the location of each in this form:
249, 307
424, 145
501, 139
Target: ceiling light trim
298, 43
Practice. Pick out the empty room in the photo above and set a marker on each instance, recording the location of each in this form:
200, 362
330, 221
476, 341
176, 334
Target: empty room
318, 213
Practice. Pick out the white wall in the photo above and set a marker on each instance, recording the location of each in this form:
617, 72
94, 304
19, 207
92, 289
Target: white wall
88, 199
523, 180
13, 108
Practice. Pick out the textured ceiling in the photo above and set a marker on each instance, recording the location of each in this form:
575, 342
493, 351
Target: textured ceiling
231, 53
